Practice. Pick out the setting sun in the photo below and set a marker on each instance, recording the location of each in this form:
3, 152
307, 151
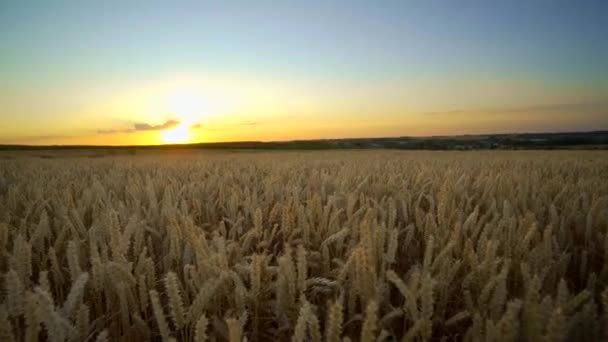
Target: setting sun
188, 105
176, 135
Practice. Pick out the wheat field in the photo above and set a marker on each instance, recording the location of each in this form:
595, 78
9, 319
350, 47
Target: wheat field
305, 246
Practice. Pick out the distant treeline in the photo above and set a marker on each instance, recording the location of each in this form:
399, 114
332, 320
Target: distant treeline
584, 140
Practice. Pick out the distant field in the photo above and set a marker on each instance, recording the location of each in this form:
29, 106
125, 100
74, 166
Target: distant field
375, 245
595, 140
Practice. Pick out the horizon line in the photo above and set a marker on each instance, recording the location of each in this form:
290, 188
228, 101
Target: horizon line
4, 145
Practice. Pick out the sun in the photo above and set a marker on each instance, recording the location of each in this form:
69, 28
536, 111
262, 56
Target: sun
176, 135
188, 105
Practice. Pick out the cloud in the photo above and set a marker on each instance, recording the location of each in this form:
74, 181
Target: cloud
240, 123
225, 125
579, 106
141, 127
148, 127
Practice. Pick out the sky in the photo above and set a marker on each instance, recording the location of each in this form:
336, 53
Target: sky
154, 72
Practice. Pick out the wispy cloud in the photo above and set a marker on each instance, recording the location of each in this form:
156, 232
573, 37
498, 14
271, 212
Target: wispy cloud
579, 106
141, 127
225, 125
148, 127
241, 123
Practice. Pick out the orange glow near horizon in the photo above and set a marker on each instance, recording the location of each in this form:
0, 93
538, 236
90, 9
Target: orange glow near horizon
211, 107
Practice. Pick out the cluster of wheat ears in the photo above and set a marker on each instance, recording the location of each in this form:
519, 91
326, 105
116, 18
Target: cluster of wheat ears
324, 246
